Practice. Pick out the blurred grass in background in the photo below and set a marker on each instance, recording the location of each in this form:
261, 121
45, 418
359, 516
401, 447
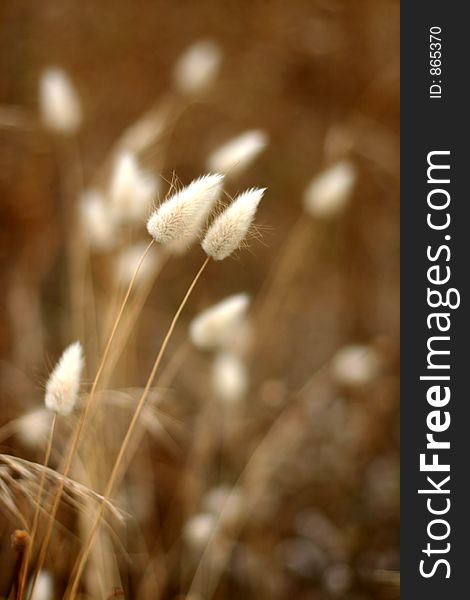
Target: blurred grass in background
321, 77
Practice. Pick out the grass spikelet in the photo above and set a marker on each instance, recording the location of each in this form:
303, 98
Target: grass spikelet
131, 191
228, 231
182, 216
229, 378
64, 382
58, 102
197, 67
215, 327
97, 221
238, 153
328, 193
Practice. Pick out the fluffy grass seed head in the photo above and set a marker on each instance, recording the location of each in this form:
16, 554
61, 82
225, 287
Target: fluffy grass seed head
328, 193
355, 365
182, 217
198, 530
33, 427
96, 220
64, 382
44, 587
229, 378
131, 191
238, 153
215, 327
197, 67
228, 231
58, 102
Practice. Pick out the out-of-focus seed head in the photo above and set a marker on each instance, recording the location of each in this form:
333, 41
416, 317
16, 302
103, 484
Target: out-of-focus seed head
238, 153
33, 427
355, 365
226, 503
328, 193
64, 382
98, 225
131, 191
198, 530
182, 217
197, 68
44, 587
229, 378
215, 327
58, 102
228, 231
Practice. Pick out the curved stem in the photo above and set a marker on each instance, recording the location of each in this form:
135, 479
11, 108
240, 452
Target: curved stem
81, 561
82, 420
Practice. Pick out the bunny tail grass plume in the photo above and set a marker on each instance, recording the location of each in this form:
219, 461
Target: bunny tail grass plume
96, 221
64, 381
229, 378
229, 229
44, 588
355, 365
328, 193
183, 215
198, 530
131, 191
197, 68
215, 327
238, 153
34, 427
58, 102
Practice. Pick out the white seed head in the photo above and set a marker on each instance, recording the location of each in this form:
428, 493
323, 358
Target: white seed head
198, 530
64, 382
225, 502
229, 229
328, 193
44, 587
131, 191
127, 261
216, 326
355, 365
182, 217
238, 153
33, 427
96, 220
197, 67
58, 102
229, 378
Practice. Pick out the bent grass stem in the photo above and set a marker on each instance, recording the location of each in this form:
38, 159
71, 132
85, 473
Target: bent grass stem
81, 561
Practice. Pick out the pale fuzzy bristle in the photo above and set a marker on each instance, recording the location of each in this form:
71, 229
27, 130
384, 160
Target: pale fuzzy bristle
131, 191
328, 193
198, 530
197, 67
238, 153
44, 587
229, 378
64, 382
127, 261
58, 102
228, 231
96, 220
355, 365
216, 326
33, 427
182, 217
